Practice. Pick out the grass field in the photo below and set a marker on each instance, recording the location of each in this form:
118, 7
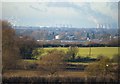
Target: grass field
95, 51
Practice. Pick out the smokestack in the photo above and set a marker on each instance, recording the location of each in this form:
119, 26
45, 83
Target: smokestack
108, 26
101, 25
97, 25
104, 26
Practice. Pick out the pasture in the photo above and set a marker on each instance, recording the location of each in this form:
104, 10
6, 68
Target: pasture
95, 51
74, 71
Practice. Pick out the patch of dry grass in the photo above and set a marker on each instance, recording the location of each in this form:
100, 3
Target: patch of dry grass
73, 74
30, 73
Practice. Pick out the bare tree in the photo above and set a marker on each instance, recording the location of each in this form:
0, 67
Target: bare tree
53, 62
72, 52
10, 51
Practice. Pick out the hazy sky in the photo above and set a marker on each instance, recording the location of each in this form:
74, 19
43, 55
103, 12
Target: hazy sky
77, 14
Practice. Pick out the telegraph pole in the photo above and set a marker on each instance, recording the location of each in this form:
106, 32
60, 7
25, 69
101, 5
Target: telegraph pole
89, 48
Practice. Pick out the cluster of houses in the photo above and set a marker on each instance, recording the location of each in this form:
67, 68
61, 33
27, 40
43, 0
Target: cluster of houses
69, 34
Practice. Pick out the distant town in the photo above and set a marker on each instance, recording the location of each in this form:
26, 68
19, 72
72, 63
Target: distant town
68, 34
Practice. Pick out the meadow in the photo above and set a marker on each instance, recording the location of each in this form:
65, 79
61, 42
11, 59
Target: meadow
95, 51
74, 71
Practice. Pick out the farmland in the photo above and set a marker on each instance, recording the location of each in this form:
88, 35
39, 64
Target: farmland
95, 51
55, 64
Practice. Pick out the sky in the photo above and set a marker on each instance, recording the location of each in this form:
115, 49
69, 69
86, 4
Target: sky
71, 14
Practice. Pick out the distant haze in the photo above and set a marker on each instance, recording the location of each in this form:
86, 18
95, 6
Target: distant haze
62, 14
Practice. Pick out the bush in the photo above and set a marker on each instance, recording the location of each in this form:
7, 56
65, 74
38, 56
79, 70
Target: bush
115, 58
27, 65
26, 45
102, 68
56, 80
37, 52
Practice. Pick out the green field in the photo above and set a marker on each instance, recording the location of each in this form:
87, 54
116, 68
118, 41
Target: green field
95, 51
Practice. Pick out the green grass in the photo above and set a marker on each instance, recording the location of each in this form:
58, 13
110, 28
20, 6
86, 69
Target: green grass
95, 51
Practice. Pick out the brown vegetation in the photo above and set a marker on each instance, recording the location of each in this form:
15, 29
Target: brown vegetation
52, 62
26, 46
101, 69
10, 50
72, 52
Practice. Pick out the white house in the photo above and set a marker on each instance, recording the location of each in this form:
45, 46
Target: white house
57, 37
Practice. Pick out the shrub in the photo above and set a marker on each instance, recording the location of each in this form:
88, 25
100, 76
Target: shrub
102, 68
27, 65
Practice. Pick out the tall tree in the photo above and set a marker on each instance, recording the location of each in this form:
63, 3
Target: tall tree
10, 51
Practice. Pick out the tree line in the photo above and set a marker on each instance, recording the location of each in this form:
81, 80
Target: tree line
111, 43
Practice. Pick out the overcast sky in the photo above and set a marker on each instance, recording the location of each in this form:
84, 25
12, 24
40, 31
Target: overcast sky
77, 14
